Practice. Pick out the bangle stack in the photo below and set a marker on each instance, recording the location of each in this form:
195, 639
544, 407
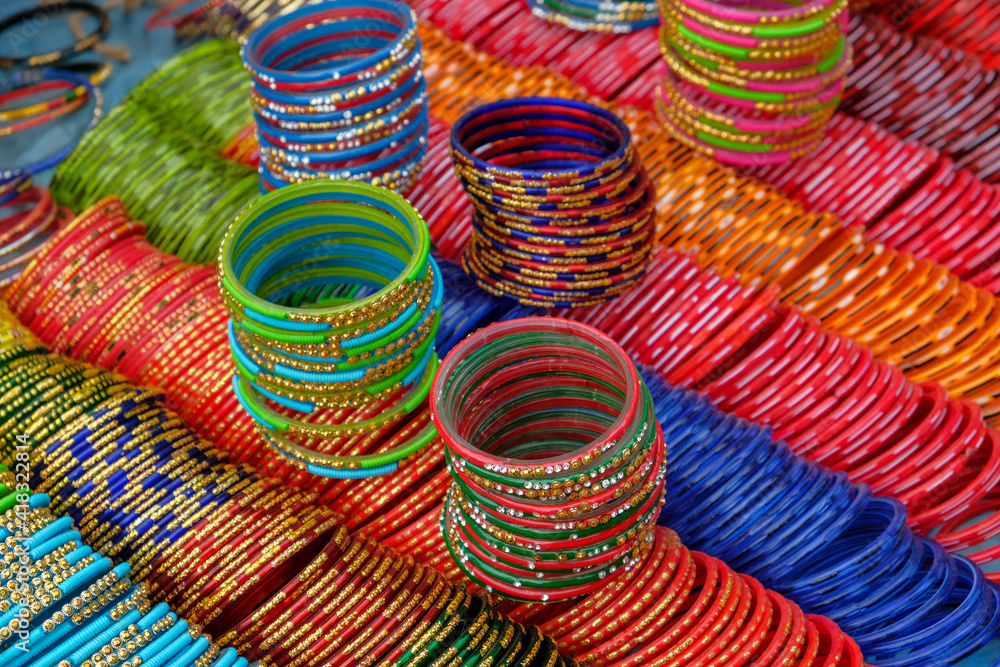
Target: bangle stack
162, 322
43, 14
563, 206
158, 149
557, 460
617, 16
752, 86
350, 323
70, 605
339, 93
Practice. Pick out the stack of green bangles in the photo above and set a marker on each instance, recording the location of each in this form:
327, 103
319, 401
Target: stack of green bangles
161, 152
335, 301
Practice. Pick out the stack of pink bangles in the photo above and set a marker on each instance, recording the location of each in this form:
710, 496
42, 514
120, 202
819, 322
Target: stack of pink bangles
752, 86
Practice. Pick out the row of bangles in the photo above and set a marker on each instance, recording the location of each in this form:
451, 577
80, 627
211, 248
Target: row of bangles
143, 488
31, 374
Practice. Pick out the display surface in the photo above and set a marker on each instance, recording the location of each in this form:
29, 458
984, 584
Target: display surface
744, 253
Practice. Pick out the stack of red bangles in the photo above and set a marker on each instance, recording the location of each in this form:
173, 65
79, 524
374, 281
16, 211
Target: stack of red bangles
752, 86
973, 27
338, 93
682, 608
920, 88
952, 218
859, 172
557, 459
563, 207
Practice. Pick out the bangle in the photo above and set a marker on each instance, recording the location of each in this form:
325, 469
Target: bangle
48, 11
35, 76
342, 351
545, 538
370, 124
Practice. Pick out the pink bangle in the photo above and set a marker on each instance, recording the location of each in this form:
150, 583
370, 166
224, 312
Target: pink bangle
762, 17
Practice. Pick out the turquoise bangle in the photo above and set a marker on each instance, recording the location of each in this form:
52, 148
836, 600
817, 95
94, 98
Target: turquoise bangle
328, 239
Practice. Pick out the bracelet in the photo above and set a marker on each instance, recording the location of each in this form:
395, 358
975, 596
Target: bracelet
369, 125
587, 15
48, 11
341, 350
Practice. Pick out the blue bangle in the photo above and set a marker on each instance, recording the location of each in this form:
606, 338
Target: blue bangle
405, 24
338, 93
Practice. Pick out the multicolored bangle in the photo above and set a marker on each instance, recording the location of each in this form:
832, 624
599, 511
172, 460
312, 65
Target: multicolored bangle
752, 86
350, 323
562, 204
557, 460
362, 118
11, 178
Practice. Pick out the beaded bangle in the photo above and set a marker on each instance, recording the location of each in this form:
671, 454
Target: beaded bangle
336, 351
546, 519
338, 93
46, 12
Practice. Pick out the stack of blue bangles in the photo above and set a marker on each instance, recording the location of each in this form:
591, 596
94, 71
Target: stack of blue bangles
563, 210
68, 604
335, 302
826, 543
338, 93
